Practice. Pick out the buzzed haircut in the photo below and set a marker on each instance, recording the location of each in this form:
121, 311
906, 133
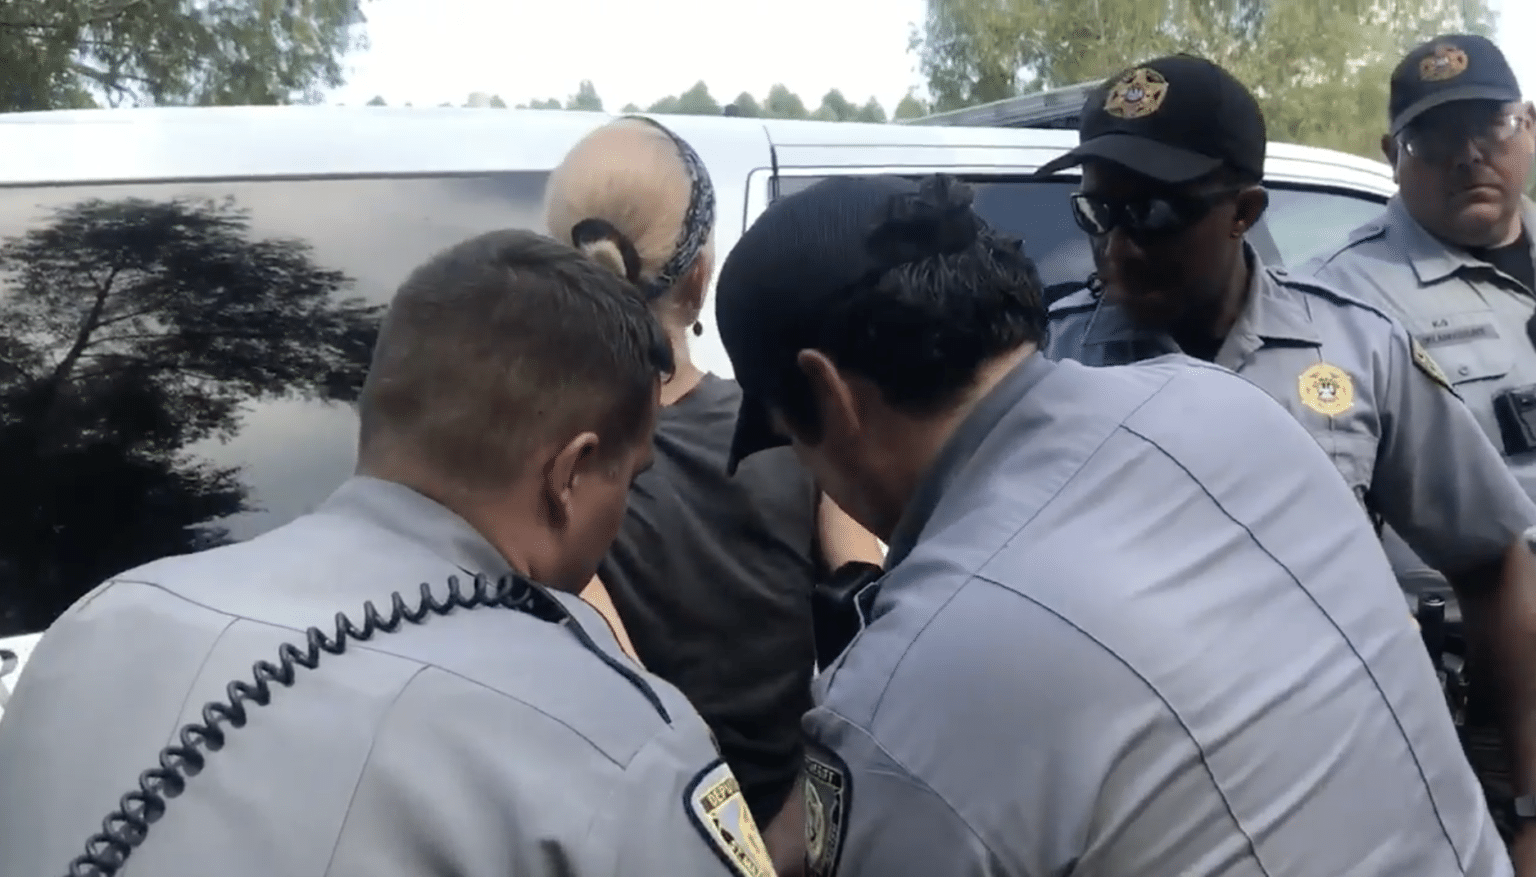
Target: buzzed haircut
502, 344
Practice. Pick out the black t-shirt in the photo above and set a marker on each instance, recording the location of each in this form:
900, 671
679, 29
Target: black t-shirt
1513, 259
712, 577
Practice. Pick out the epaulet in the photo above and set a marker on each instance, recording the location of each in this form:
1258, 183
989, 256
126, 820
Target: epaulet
1374, 230
1078, 302
1326, 291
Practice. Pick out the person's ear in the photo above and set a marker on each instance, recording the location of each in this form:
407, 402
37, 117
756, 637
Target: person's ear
690, 293
1252, 201
837, 405
564, 473
1389, 152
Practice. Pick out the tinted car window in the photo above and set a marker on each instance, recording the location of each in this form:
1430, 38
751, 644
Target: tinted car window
1311, 222
178, 360
1300, 223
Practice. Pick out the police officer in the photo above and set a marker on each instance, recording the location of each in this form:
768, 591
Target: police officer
1169, 190
1108, 640
1452, 258
463, 741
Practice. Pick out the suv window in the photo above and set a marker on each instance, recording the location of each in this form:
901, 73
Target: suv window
1306, 223
177, 360
1302, 222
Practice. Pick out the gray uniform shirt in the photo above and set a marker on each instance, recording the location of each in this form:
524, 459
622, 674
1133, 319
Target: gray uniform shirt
483, 743
1111, 643
1378, 405
1468, 315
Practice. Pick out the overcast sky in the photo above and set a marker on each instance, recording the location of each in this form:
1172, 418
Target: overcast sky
430, 51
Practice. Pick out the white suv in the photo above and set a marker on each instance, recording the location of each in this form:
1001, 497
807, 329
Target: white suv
189, 294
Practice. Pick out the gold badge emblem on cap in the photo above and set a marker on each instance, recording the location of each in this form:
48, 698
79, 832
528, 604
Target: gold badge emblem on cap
1138, 93
1445, 62
1326, 389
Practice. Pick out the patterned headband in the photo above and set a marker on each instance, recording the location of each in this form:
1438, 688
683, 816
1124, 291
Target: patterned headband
698, 221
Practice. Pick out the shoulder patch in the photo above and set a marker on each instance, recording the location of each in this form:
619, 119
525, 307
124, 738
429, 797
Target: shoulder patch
828, 789
718, 810
1428, 366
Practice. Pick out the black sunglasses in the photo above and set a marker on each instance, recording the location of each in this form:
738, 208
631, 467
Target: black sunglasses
1153, 216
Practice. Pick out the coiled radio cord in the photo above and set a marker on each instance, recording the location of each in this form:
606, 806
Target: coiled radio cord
127, 826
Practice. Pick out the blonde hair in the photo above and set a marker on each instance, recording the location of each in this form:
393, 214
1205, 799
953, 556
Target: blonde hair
629, 175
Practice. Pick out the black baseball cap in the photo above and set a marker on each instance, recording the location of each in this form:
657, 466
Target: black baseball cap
1453, 67
780, 280
1173, 119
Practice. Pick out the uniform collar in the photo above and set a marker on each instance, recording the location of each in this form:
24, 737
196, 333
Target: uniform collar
959, 450
1432, 259
417, 520
1272, 314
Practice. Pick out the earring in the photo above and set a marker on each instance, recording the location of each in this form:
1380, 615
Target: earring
698, 328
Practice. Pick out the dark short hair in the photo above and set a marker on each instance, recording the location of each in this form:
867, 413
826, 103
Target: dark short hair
956, 295
504, 342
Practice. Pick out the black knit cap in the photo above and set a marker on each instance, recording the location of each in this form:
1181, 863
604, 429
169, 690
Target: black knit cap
1449, 68
1172, 119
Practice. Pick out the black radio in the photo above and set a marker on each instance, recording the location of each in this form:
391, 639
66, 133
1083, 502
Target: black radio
1515, 411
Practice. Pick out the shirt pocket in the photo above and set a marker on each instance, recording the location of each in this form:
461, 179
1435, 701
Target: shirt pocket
1468, 346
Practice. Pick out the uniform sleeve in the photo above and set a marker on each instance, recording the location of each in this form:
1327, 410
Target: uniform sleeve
1438, 480
685, 819
866, 816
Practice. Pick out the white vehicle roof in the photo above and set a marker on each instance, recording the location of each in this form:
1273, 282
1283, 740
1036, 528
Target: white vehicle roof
258, 142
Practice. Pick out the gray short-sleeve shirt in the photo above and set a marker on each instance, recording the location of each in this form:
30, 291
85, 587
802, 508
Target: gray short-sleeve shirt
482, 743
1376, 402
1111, 642
1467, 314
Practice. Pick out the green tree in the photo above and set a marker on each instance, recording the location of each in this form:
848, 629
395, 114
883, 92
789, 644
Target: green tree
550, 104
910, 107
57, 54
497, 103
631, 108
585, 98
378, 101
835, 108
782, 103
697, 101
747, 105
1319, 67
871, 112
668, 105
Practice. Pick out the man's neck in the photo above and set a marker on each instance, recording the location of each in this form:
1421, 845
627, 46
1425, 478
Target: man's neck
923, 440
492, 518
1205, 329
